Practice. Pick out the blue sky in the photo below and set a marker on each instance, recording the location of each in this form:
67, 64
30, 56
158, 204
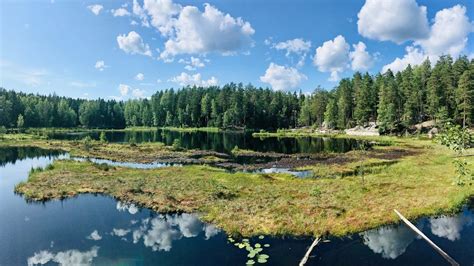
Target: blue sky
110, 49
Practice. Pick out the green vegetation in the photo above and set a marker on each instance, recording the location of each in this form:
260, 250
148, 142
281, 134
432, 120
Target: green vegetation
396, 101
413, 177
458, 139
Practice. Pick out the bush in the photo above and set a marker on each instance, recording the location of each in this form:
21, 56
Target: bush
102, 137
176, 145
87, 143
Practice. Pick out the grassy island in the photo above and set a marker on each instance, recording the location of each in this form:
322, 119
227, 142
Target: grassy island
351, 192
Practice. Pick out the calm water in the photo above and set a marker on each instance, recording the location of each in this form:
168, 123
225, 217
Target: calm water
98, 230
222, 142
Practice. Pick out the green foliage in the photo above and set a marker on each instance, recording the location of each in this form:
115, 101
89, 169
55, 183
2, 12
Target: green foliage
103, 137
458, 139
20, 122
3, 130
395, 101
87, 143
177, 145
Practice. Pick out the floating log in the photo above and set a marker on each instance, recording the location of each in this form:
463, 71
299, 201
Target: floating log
432, 244
306, 256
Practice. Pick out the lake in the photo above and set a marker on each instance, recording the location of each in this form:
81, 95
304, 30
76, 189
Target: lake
98, 230
221, 141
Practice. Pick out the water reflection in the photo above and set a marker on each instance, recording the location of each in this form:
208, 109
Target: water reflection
223, 142
68, 257
130, 207
450, 227
159, 233
94, 236
389, 241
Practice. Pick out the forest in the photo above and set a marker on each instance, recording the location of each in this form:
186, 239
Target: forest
396, 101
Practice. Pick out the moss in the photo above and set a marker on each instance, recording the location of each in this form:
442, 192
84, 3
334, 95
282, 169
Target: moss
418, 183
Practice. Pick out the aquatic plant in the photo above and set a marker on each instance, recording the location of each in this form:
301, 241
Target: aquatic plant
254, 252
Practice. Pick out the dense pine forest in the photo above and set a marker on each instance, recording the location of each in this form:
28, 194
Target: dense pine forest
396, 101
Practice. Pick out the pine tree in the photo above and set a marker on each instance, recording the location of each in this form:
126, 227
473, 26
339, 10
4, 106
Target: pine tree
330, 116
465, 97
388, 109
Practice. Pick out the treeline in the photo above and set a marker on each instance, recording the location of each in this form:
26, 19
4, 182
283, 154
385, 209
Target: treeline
444, 92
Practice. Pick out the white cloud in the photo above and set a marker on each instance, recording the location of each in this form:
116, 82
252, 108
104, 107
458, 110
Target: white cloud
414, 56
160, 232
137, 93
121, 12
391, 241
80, 84
191, 31
131, 208
133, 44
361, 59
94, 236
161, 13
192, 64
282, 78
140, 76
450, 227
296, 46
100, 65
120, 232
185, 79
393, 20
332, 56
95, 9
69, 257
449, 32
140, 13
124, 89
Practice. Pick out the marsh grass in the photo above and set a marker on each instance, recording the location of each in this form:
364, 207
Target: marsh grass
417, 183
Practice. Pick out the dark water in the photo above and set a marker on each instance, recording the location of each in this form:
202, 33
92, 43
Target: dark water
222, 142
98, 230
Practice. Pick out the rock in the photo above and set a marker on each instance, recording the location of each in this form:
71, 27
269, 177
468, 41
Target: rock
433, 132
425, 126
370, 130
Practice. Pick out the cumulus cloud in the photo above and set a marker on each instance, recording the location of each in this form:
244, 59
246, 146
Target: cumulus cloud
332, 56
296, 46
94, 236
447, 35
414, 56
100, 65
124, 89
140, 76
160, 232
189, 30
391, 242
69, 257
120, 12
95, 9
131, 208
132, 43
120, 232
361, 59
393, 20
193, 63
282, 77
449, 32
185, 79
450, 227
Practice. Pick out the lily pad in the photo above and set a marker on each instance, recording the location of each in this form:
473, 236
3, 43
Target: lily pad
261, 237
267, 245
263, 256
250, 262
258, 245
